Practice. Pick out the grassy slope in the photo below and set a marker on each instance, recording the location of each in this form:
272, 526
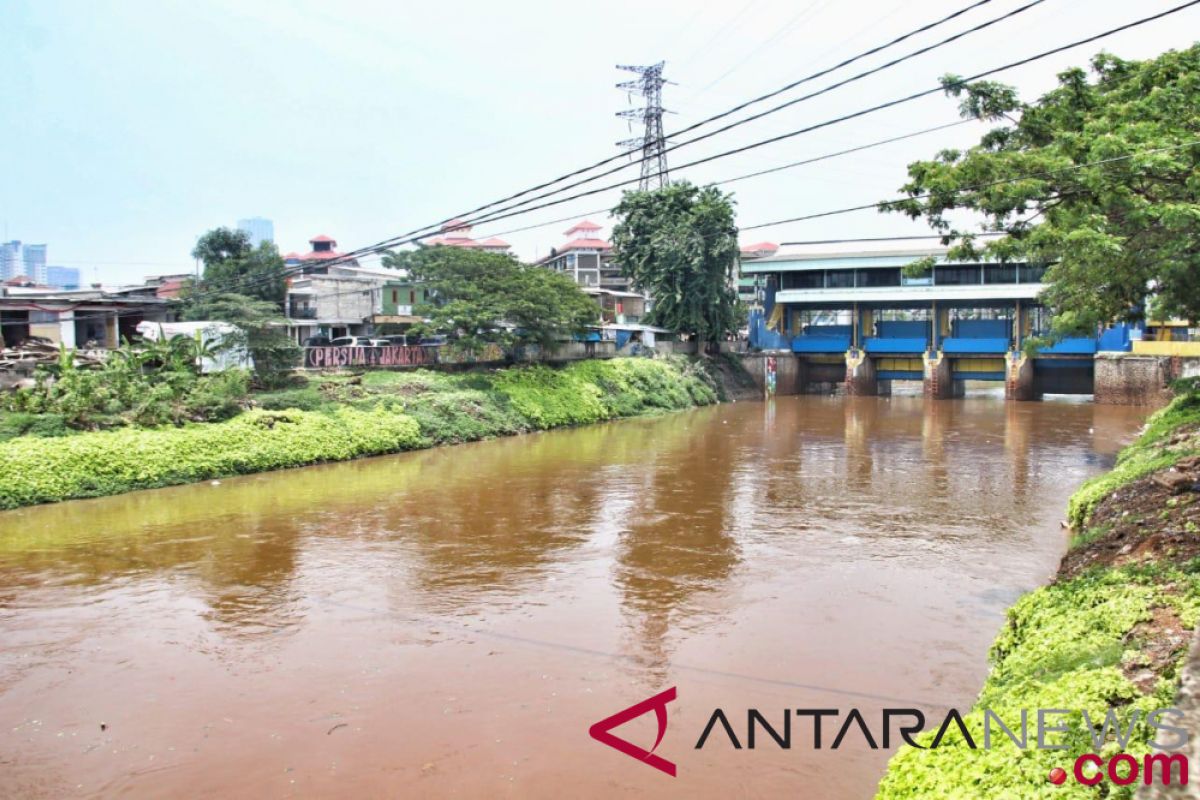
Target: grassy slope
1086, 641
344, 417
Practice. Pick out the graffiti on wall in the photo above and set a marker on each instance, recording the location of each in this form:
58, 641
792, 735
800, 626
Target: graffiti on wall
398, 356
488, 353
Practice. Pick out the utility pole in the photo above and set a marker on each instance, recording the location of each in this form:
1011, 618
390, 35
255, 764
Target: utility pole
649, 83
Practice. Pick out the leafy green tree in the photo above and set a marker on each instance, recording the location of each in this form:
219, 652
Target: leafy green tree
679, 243
1099, 178
232, 265
490, 297
264, 332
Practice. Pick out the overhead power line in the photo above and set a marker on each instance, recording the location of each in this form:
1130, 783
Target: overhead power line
409, 239
713, 118
804, 218
724, 129
978, 187
846, 117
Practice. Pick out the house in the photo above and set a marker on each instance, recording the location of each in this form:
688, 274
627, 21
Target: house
94, 318
399, 298
455, 234
617, 306
748, 285
586, 258
323, 249
344, 300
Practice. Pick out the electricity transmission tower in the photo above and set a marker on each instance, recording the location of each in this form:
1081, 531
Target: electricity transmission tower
649, 83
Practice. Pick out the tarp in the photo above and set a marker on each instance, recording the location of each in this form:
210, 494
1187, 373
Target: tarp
216, 334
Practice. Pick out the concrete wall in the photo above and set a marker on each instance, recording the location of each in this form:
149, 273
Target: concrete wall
1132, 380
788, 370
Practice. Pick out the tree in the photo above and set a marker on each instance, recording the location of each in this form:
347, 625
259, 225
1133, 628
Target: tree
231, 264
679, 244
491, 297
1099, 178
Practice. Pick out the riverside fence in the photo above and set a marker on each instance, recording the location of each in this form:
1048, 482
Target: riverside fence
402, 356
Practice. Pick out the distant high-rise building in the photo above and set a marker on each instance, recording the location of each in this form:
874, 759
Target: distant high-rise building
62, 277
260, 229
10, 259
34, 257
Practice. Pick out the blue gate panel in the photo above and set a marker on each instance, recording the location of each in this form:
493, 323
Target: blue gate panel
879, 345
957, 346
981, 329
902, 329
820, 344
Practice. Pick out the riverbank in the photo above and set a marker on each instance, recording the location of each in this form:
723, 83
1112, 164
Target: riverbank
1113, 629
338, 417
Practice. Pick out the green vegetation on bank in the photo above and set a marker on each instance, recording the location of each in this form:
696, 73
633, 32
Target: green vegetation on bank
339, 417
1111, 631
1161, 445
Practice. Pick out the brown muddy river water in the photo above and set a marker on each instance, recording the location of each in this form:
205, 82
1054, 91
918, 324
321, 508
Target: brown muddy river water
449, 623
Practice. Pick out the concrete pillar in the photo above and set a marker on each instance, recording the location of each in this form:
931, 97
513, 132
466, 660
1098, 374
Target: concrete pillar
939, 381
1018, 376
66, 328
860, 373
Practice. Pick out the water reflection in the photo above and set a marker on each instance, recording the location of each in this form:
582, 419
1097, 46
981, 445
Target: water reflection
870, 543
677, 539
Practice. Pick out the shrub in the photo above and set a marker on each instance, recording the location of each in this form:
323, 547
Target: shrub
1150, 453
334, 418
1061, 648
23, 424
308, 399
109, 462
464, 416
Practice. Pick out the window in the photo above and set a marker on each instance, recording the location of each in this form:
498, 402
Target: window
956, 276
839, 279
1032, 273
879, 277
1000, 273
42, 317
395, 296
802, 280
412, 296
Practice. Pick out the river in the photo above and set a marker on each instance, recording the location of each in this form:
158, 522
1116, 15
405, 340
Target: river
449, 623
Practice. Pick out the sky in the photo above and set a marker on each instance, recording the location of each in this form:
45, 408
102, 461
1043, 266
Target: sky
132, 127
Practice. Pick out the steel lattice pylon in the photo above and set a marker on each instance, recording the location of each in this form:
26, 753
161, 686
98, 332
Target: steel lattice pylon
649, 83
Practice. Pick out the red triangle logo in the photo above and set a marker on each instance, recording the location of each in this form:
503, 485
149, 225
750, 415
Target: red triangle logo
658, 704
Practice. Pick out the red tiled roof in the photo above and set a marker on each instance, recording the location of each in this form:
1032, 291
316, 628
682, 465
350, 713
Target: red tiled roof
585, 243
455, 225
770, 247
585, 225
320, 255
169, 288
290, 256
322, 238
463, 241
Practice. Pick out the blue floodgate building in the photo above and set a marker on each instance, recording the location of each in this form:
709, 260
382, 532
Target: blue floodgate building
857, 318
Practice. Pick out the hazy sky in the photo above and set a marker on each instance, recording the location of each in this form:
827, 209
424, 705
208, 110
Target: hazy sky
132, 127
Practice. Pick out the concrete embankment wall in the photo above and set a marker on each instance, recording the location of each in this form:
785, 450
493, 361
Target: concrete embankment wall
1130, 379
787, 370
